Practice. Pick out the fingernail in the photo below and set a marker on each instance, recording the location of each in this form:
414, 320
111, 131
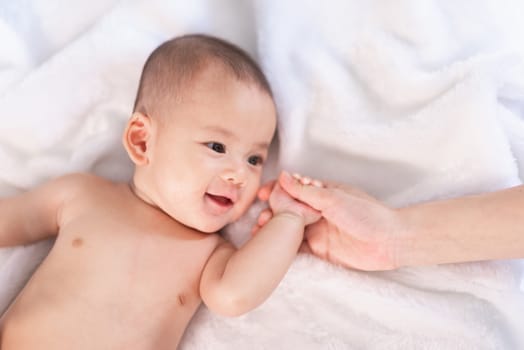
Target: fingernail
297, 176
317, 183
286, 176
306, 180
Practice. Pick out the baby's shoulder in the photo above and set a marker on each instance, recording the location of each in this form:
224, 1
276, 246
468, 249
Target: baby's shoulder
80, 190
76, 183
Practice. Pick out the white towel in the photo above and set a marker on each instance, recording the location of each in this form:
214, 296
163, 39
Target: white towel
412, 101
68, 77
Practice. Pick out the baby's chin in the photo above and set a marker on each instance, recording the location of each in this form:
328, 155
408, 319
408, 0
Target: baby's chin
203, 223
216, 224
208, 227
207, 223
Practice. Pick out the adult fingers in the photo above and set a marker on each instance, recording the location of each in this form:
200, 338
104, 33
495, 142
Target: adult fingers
304, 248
315, 196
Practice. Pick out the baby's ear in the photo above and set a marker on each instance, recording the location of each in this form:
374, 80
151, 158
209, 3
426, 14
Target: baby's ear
136, 137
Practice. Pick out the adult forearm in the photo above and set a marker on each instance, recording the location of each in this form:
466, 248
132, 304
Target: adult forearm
482, 227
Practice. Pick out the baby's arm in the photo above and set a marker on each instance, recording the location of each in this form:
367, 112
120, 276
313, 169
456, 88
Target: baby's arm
236, 281
34, 215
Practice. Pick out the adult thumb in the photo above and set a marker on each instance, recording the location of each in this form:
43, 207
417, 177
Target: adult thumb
316, 197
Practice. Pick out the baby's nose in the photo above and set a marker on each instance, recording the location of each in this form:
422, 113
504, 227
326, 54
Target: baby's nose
235, 176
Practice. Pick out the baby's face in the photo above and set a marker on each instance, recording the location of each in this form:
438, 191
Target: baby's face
207, 158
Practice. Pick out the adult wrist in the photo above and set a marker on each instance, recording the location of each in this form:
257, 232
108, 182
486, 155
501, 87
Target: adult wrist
405, 239
423, 238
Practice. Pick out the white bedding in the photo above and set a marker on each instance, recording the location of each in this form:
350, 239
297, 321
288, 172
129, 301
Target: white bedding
409, 100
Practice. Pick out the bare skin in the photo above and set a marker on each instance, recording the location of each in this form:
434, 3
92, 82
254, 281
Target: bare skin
118, 264
131, 264
360, 232
124, 275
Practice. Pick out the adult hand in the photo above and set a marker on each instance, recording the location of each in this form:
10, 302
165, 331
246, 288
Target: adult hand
360, 232
355, 231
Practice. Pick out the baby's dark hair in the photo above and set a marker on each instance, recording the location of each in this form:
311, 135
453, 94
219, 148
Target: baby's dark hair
178, 60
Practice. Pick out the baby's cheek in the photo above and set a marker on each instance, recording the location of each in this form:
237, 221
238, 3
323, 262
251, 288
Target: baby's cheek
248, 197
249, 192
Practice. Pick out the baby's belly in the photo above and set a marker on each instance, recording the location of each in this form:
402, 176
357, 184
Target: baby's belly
54, 314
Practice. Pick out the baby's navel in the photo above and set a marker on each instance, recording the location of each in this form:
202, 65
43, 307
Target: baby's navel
77, 242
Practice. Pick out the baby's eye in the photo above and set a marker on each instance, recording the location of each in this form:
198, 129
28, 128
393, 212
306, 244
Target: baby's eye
217, 147
255, 160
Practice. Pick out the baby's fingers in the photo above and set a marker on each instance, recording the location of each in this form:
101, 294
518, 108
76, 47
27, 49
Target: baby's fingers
265, 191
264, 216
255, 229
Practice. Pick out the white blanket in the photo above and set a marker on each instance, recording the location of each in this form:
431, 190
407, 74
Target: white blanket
410, 100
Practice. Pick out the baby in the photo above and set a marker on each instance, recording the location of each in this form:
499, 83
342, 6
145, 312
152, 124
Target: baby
133, 261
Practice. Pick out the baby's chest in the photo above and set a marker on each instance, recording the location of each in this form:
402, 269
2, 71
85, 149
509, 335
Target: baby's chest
136, 262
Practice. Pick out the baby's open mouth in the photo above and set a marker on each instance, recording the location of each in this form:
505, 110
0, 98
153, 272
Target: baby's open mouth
220, 200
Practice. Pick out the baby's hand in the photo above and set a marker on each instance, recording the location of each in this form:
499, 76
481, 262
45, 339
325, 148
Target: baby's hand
280, 201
